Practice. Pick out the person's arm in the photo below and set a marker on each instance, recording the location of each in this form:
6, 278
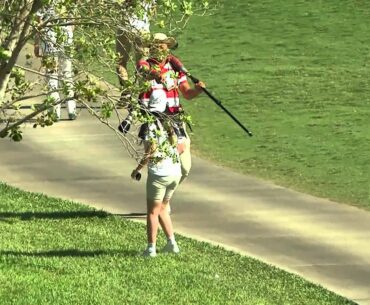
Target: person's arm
189, 92
149, 150
148, 72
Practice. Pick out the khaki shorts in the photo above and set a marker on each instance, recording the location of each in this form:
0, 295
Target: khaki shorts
161, 188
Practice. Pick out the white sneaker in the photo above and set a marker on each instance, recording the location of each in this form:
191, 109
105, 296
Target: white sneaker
171, 248
150, 252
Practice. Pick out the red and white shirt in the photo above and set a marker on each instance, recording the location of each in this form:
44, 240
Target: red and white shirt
162, 96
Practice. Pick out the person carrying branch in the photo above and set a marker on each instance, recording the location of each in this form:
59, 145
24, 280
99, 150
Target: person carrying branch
132, 34
166, 82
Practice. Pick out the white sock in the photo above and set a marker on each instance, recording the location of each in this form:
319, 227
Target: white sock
151, 246
171, 240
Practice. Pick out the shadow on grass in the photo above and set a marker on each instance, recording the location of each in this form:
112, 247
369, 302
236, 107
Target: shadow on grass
131, 215
64, 215
53, 215
70, 253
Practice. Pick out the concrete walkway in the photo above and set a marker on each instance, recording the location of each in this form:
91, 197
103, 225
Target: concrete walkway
82, 160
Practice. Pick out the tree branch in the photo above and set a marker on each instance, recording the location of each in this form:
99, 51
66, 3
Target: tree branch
31, 115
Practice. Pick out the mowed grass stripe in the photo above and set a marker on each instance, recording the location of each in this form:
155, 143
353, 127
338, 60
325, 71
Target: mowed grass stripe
59, 252
296, 74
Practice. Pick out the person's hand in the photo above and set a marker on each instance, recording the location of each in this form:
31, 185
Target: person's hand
136, 175
200, 85
162, 78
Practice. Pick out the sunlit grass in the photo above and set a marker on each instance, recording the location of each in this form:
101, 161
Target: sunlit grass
59, 252
296, 74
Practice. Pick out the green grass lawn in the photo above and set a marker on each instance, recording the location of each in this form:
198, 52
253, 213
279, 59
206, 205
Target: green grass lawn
59, 252
296, 74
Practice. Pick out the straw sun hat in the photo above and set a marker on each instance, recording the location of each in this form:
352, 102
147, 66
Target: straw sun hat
163, 38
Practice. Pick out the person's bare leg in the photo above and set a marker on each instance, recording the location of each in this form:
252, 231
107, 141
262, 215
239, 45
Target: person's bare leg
166, 224
141, 51
123, 48
168, 208
165, 220
152, 220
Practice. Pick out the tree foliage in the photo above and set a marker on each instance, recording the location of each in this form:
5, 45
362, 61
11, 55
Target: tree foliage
95, 23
